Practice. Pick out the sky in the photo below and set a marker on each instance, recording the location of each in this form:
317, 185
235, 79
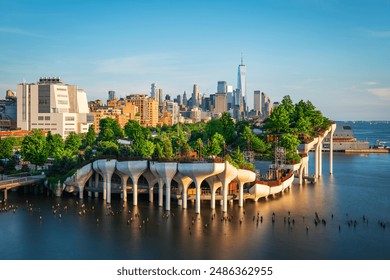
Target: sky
334, 53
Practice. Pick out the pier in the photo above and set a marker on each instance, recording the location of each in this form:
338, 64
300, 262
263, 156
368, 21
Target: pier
14, 183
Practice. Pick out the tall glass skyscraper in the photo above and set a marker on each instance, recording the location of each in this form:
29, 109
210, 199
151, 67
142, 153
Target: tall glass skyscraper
241, 84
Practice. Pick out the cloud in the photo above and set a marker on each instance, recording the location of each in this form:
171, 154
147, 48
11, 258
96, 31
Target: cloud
139, 65
17, 31
376, 33
371, 83
383, 93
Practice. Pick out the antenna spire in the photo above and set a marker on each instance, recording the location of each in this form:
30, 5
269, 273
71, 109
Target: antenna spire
242, 60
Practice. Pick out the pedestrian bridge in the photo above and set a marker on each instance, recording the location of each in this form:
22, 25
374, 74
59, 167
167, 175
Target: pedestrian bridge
16, 182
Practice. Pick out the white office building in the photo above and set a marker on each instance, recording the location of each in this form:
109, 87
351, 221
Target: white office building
53, 106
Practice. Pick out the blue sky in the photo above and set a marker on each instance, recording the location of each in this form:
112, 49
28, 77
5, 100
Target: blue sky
334, 53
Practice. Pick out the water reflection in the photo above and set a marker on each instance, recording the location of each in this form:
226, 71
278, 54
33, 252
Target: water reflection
281, 227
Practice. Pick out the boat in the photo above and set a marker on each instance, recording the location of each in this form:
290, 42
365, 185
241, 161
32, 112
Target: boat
344, 139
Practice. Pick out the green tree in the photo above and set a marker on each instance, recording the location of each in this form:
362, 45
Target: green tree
279, 121
135, 131
55, 145
228, 127
159, 151
215, 146
108, 123
107, 148
72, 143
34, 148
147, 149
90, 137
6, 147
167, 148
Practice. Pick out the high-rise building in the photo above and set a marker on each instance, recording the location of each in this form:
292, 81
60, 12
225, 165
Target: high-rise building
52, 106
257, 101
195, 96
147, 108
8, 111
241, 85
221, 87
153, 91
185, 101
220, 103
111, 95
229, 96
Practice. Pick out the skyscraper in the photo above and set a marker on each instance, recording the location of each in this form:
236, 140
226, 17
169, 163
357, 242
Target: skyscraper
195, 96
257, 101
221, 88
241, 85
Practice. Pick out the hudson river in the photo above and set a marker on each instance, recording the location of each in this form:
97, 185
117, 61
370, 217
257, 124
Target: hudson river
354, 202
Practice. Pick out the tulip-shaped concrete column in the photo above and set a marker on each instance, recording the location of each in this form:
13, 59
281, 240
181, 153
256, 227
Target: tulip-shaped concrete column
184, 182
152, 180
82, 176
124, 178
244, 176
332, 130
95, 167
198, 172
96, 184
214, 184
167, 170
106, 168
152, 168
134, 170
229, 174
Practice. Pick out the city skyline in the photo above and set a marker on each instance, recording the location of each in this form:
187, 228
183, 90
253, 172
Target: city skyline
333, 53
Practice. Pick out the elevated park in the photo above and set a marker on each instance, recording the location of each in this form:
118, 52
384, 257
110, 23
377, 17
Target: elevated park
194, 181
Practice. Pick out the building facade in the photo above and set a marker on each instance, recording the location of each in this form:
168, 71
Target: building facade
53, 106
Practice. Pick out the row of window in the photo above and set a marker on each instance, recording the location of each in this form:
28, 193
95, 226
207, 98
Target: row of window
41, 118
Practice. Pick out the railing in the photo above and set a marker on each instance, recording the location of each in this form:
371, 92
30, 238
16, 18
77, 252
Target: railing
21, 180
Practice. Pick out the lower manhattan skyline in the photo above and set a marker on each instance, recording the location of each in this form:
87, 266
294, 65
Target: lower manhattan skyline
333, 53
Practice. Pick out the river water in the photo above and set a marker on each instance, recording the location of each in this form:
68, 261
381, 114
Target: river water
354, 202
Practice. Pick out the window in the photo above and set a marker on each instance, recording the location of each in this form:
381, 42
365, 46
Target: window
69, 118
47, 118
40, 118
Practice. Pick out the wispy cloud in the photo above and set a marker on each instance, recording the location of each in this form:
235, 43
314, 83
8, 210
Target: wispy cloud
371, 83
383, 93
18, 31
139, 64
385, 34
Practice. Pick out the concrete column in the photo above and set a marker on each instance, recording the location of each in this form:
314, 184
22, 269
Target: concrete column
333, 128
166, 170
134, 170
96, 184
316, 159
81, 191
197, 197
168, 195
104, 188
184, 196
184, 182
320, 158
124, 187
160, 192
5, 195
151, 192
244, 176
198, 172
229, 174
89, 194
